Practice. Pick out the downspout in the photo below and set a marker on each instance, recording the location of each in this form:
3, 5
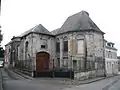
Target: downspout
72, 68
104, 66
32, 63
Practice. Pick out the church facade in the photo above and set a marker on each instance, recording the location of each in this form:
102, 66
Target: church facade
78, 44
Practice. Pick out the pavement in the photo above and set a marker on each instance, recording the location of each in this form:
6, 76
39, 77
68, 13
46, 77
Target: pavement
104, 84
1, 81
15, 81
114, 86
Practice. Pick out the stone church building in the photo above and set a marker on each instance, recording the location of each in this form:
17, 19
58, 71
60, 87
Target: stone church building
78, 44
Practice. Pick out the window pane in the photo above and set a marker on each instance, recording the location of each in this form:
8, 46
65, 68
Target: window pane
65, 46
57, 47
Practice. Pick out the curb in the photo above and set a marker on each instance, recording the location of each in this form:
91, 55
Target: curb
80, 82
70, 82
1, 85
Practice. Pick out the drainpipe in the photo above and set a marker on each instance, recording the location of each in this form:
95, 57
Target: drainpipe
104, 66
85, 63
32, 61
71, 65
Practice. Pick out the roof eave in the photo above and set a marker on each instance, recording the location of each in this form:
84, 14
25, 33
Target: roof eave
113, 48
15, 37
80, 31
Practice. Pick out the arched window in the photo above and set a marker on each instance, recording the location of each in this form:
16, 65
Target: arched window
65, 44
80, 44
26, 49
57, 45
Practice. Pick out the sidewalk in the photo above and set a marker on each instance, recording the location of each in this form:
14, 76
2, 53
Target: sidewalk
1, 83
78, 82
100, 85
1, 80
66, 81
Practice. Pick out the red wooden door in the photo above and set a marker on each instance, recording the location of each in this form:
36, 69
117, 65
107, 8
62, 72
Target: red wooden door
42, 61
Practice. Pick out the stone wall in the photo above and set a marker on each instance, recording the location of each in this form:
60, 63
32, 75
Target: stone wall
111, 66
93, 48
88, 74
34, 46
7, 55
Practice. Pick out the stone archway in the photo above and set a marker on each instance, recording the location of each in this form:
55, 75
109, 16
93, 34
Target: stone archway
42, 61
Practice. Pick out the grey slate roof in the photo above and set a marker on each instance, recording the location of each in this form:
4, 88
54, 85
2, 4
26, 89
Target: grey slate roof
37, 29
9, 43
76, 22
54, 32
113, 48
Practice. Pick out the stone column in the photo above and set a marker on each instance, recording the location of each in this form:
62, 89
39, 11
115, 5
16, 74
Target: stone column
61, 52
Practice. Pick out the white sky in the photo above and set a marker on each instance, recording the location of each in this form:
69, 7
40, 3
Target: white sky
18, 16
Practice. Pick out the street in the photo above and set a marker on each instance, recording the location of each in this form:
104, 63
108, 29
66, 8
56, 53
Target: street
116, 86
106, 84
13, 81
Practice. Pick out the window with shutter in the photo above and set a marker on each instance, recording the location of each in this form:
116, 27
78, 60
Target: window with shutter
80, 46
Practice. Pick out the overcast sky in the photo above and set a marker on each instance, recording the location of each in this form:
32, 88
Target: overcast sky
17, 16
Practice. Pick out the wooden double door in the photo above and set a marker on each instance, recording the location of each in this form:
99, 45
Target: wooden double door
42, 61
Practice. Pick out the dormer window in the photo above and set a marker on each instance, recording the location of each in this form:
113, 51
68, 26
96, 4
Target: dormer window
108, 44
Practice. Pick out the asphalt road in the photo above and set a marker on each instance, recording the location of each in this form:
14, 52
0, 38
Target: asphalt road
13, 81
106, 84
115, 86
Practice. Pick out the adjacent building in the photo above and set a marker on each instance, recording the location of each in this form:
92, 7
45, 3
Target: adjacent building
7, 55
118, 64
1, 49
111, 61
11, 52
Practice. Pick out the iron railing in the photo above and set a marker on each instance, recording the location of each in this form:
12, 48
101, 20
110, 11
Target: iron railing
24, 65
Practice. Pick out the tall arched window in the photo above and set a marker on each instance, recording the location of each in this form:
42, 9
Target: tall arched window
65, 44
57, 45
80, 44
26, 49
